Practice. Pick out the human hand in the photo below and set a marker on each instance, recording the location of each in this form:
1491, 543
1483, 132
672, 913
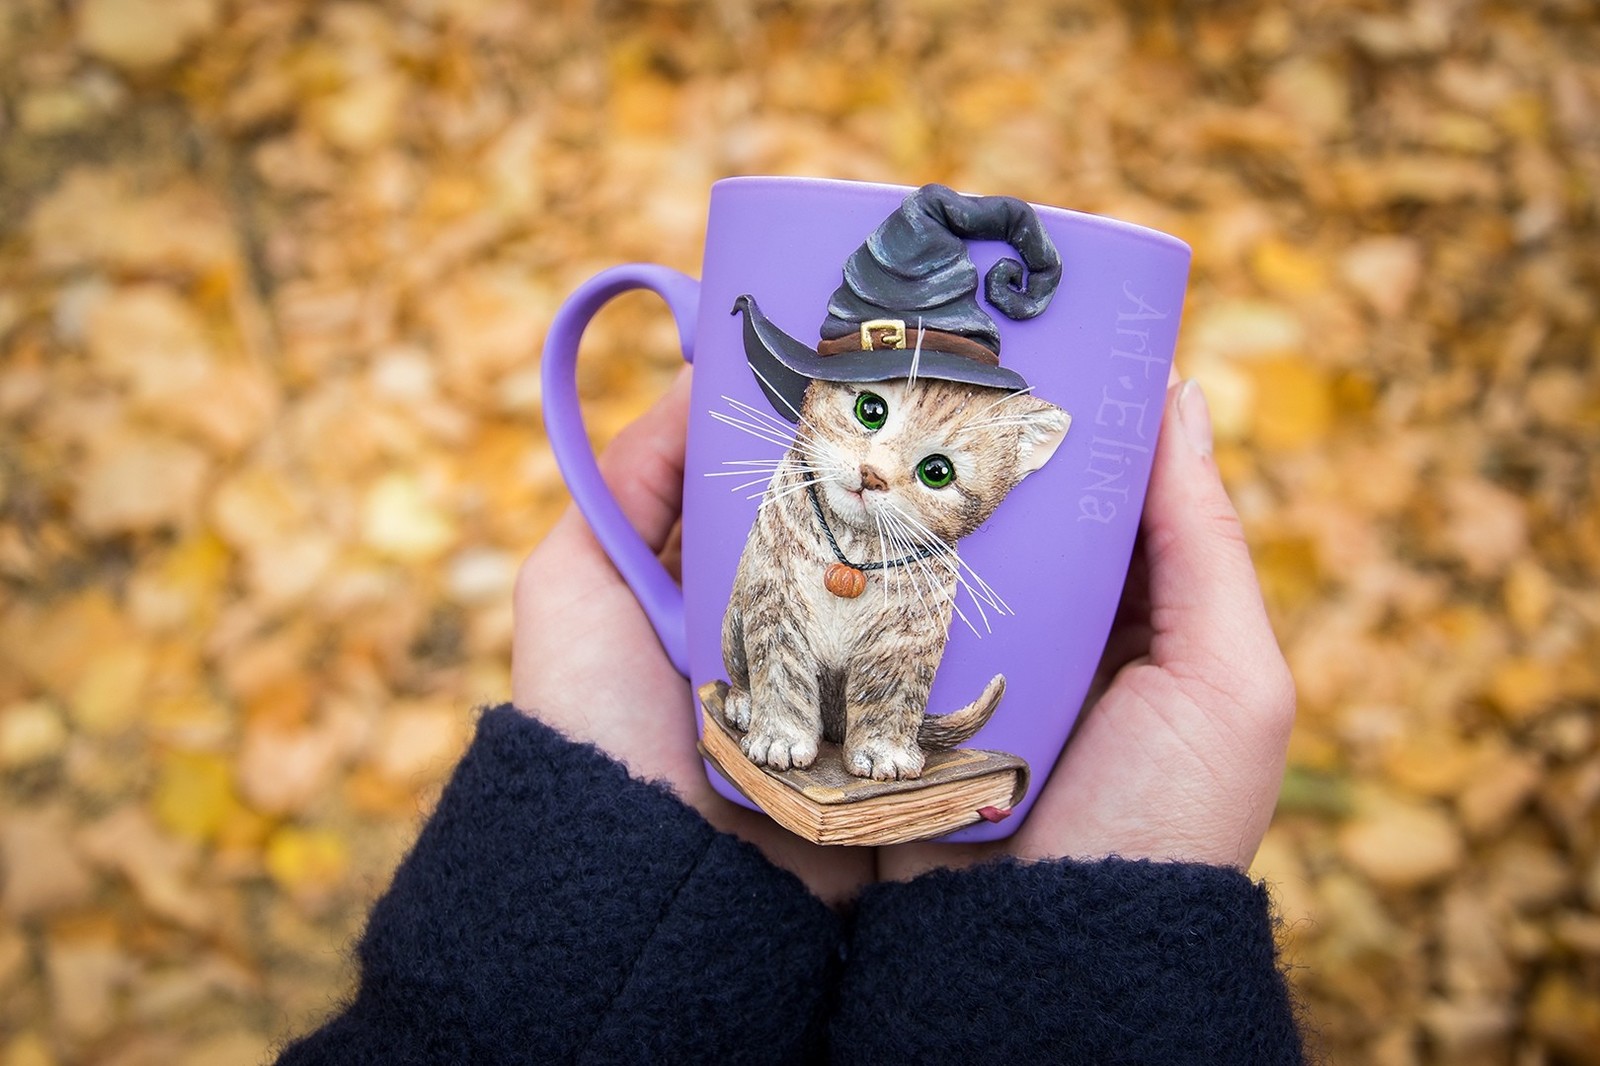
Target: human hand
586, 661
1180, 751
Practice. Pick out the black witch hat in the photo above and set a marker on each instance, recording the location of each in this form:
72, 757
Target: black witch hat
908, 304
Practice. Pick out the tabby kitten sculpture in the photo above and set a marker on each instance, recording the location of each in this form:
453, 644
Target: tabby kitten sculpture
848, 583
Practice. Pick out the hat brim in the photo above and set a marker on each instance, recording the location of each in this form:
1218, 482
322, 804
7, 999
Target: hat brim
785, 366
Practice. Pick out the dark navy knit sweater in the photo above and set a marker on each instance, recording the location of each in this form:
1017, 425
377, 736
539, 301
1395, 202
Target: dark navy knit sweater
530, 926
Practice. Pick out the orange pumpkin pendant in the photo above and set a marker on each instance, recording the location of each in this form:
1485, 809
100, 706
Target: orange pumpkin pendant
844, 581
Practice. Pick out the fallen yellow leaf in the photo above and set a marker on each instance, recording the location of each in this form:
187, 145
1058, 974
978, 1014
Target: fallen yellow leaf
1293, 403
307, 862
194, 794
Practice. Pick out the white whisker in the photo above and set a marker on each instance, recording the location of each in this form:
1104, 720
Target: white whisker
759, 432
939, 588
752, 411
756, 422
980, 592
959, 613
916, 356
1008, 396
1003, 422
890, 578
979, 589
774, 392
883, 550
994, 420
790, 458
932, 541
912, 549
936, 589
1000, 423
901, 545
994, 598
940, 584
765, 479
734, 473
797, 447
774, 495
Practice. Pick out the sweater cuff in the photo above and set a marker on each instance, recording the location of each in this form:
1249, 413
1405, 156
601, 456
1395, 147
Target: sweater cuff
1113, 961
552, 902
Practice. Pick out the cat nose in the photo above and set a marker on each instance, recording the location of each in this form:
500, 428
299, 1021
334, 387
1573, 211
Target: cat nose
871, 479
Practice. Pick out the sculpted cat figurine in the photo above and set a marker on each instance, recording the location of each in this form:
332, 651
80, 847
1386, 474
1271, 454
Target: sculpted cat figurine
908, 432
883, 479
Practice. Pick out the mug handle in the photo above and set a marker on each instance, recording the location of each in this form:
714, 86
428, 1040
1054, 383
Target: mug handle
655, 589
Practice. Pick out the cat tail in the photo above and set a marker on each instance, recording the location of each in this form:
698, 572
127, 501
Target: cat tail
941, 731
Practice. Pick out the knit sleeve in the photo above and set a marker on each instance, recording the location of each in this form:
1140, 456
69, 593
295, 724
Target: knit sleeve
555, 909
1106, 962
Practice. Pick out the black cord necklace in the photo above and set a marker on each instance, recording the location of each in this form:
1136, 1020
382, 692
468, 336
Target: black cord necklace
847, 579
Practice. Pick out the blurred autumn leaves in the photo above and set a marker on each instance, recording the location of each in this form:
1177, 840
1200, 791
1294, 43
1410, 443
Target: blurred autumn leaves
273, 276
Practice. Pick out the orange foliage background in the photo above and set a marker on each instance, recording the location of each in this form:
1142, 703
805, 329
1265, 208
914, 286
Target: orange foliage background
273, 276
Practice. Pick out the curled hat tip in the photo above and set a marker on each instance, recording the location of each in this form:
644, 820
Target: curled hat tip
1018, 294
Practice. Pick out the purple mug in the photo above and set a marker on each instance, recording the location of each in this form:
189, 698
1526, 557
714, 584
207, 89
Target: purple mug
1055, 551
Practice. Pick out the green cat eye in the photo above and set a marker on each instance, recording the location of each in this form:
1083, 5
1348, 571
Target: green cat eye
871, 410
936, 471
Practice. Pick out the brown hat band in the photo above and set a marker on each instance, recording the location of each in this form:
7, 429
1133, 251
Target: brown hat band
882, 333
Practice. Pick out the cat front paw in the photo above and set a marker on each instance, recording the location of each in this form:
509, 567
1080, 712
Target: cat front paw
779, 747
885, 760
736, 709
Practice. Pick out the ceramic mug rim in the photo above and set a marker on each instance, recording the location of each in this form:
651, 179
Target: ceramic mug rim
876, 188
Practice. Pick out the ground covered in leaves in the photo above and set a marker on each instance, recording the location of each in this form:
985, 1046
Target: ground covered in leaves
272, 279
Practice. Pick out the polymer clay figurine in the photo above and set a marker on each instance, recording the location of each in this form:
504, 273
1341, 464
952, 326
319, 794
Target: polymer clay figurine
908, 433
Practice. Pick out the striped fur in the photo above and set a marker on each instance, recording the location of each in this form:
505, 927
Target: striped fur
804, 664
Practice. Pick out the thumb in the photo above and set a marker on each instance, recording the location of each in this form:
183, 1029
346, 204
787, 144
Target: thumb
1208, 620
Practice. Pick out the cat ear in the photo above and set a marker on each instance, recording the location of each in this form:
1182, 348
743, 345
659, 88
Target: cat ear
1042, 433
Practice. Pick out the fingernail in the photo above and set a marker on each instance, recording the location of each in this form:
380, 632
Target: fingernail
1195, 416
